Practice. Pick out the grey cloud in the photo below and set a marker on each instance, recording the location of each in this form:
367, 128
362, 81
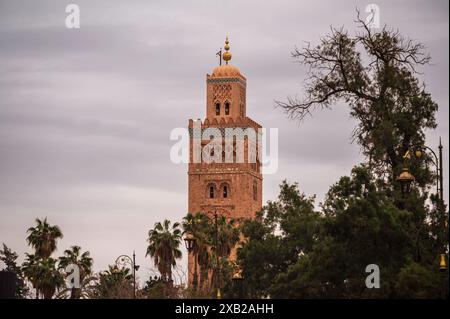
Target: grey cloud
85, 115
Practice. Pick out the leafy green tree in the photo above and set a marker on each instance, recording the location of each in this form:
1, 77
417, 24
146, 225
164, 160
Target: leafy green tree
359, 225
374, 73
283, 230
420, 282
154, 288
114, 283
164, 242
9, 258
84, 263
365, 219
157, 288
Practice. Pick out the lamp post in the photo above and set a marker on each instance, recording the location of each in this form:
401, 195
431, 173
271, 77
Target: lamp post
216, 247
238, 281
442, 263
123, 260
190, 243
406, 178
437, 162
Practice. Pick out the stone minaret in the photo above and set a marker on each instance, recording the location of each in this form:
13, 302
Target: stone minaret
229, 184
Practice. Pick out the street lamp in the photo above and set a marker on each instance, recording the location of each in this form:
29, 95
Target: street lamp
237, 276
443, 264
216, 248
189, 241
115, 272
437, 162
123, 260
405, 179
443, 271
418, 151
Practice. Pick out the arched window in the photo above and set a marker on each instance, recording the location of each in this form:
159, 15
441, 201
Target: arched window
211, 191
217, 108
225, 191
227, 108
255, 190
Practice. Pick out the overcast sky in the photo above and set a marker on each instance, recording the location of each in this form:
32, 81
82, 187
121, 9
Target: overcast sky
85, 115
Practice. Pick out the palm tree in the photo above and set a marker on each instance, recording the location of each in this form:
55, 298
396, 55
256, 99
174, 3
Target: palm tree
164, 242
87, 289
43, 275
49, 278
39, 268
227, 234
82, 260
30, 271
43, 238
211, 255
199, 226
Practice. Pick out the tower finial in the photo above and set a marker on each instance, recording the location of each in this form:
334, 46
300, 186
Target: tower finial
226, 54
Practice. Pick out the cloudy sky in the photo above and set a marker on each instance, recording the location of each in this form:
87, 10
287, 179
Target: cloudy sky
85, 115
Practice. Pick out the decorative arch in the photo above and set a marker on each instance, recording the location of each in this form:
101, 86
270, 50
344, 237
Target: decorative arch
227, 107
225, 190
217, 108
211, 191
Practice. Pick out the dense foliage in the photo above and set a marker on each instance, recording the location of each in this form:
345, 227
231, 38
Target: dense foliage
294, 251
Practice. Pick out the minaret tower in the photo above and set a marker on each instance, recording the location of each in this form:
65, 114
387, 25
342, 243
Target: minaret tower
233, 189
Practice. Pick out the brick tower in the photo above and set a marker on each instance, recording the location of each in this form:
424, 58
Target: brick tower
229, 184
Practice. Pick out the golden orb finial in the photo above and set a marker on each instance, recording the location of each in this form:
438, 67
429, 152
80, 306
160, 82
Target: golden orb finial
226, 55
